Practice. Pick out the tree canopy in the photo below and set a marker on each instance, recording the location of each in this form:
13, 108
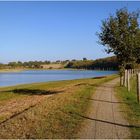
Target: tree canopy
120, 34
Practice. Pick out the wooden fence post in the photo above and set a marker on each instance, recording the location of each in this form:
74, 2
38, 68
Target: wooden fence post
129, 73
138, 87
121, 80
125, 78
128, 80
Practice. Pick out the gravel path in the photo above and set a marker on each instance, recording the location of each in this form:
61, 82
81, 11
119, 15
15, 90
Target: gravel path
104, 119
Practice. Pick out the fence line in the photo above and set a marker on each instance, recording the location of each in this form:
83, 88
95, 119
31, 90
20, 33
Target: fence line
125, 80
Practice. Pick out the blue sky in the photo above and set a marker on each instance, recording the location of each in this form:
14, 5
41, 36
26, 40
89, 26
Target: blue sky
53, 30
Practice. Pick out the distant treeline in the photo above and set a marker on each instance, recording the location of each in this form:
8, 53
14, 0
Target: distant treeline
29, 64
109, 63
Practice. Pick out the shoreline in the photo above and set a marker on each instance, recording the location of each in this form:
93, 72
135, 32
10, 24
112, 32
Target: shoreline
11, 70
20, 70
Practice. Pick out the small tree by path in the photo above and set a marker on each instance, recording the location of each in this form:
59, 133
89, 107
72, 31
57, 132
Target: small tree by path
120, 34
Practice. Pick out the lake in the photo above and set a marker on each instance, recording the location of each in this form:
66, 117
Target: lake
33, 76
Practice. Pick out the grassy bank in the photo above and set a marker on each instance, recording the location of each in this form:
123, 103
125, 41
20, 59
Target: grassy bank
11, 70
130, 107
56, 116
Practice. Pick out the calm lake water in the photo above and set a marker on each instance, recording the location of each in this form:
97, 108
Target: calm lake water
32, 76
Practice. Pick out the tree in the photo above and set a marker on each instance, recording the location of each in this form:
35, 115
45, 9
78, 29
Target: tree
121, 35
12, 64
84, 59
137, 50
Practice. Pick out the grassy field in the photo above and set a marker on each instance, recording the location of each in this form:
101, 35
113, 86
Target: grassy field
130, 107
46, 110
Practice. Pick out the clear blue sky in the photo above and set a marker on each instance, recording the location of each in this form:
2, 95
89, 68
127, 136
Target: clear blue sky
53, 30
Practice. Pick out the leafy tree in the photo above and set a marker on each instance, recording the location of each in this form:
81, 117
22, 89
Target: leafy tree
109, 63
1, 66
12, 64
121, 35
84, 59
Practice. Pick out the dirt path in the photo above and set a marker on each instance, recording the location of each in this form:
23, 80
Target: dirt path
104, 119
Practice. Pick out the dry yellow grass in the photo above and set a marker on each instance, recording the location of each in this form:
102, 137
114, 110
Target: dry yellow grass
51, 117
11, 70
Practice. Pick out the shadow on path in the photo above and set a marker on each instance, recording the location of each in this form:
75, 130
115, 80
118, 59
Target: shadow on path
103, 121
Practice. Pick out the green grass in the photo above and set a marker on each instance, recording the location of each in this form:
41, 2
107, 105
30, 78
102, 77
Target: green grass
9, 95
57, 116
131, 107
63, 121
77, 107
6, 92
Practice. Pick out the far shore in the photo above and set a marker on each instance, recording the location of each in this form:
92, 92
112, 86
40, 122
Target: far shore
11, 70
20, 70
